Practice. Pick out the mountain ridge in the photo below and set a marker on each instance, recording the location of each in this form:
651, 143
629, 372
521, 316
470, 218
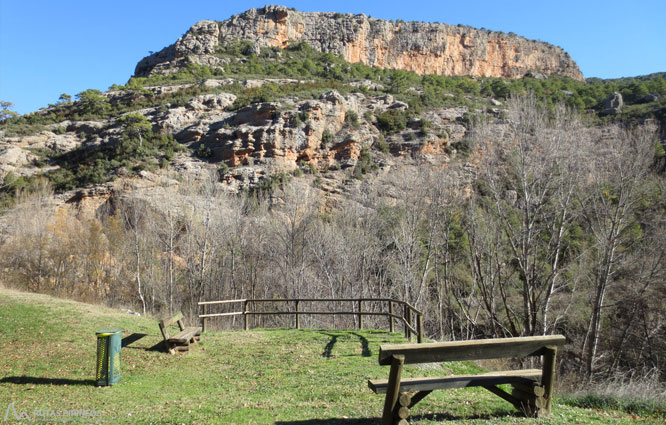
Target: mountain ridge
425, 48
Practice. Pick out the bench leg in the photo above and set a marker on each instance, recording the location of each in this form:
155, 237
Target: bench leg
548, 377
502, 394
393, 389
418, 397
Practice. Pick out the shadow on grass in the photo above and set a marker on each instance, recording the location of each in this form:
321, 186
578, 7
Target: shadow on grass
158, 347
450, 417
328, 349
33, 380
375, 421
365, 347
131, 339
332, 421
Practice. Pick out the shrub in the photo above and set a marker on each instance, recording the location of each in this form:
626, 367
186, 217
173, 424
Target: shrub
326, 137
352, 119
92, 104
295, 121
364, 164
204, 151
271, 183
381, 144
222, 170
168, 153
391, 122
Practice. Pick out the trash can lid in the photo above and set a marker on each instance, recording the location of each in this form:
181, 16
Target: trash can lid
101, 334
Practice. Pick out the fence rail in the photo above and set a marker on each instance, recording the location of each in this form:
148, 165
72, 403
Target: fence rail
410, 317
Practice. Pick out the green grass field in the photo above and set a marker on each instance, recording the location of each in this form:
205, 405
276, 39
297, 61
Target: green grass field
276, 376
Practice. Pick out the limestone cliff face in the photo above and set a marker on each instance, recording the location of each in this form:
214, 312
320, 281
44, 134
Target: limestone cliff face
425, 48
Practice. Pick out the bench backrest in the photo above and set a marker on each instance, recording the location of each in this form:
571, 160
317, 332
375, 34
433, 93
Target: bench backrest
165, 323
470, 350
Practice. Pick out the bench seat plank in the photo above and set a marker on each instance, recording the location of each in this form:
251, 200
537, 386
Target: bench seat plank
470, 350
186, 335
181, 341
459, 381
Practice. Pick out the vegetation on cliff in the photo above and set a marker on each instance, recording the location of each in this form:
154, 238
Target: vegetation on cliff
316, 73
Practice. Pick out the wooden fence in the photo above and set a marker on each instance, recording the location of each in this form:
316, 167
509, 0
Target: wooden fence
403, 312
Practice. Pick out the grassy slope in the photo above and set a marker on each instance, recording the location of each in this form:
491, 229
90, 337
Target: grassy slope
313, 377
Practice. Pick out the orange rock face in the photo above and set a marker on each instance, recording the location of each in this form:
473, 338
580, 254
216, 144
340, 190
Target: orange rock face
425, 48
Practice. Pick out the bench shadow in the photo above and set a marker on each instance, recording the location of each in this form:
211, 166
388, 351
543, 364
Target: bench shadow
440, 417
328, 349
160, 347
131, 339
157, 347
365, 346
33, 380
450, 417
332, 421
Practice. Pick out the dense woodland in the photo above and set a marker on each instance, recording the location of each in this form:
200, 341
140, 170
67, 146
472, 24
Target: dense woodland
558, 227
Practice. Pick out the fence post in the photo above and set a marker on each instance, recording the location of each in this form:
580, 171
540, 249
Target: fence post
419, 328
404, 319
245, 314
391, 316
409, 321
298, 317
360, 317
203, 319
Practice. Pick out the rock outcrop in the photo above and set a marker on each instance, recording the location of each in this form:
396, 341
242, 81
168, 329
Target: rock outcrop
272, 137
613, 105
425, 48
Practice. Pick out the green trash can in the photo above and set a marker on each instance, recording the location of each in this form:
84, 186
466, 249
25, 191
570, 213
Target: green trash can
109, 343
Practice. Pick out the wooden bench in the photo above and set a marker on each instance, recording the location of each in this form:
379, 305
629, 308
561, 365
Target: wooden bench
180, 342
532, 388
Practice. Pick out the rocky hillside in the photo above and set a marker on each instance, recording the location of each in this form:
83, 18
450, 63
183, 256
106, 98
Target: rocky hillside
424, 48
226, 101
329, 136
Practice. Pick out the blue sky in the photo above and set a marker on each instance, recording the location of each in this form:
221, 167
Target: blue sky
52, 47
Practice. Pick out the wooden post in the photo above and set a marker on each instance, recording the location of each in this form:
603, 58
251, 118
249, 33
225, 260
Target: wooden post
360, 316
401, 411
548, 375
203, 319
245, 315
419, 328
393, 388
391, 316
298, 317
404, 318
409, 321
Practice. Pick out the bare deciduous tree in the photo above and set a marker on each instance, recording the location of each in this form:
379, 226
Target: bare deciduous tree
623, 159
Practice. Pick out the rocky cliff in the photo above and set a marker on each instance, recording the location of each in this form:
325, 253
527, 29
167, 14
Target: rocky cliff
425, 48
